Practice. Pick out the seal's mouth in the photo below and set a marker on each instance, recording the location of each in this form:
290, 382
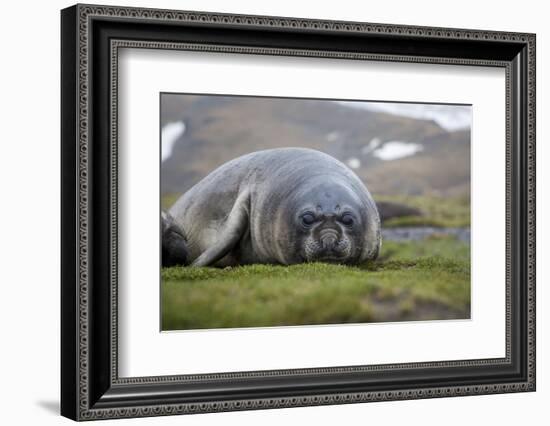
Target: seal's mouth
331, 259
327, 244
331, 252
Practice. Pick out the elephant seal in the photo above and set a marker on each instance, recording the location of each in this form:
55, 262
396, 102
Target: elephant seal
279, 206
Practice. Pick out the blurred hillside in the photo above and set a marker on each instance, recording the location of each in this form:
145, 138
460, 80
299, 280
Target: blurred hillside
394, 155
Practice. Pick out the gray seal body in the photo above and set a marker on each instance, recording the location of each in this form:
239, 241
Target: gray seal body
279, 206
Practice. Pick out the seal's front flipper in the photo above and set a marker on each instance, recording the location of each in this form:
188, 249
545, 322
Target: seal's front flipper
174, 246
235, 227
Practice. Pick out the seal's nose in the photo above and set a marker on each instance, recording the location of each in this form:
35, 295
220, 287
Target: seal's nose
329, 238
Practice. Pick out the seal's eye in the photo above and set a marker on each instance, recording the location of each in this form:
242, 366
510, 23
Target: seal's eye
347, 219
308, 219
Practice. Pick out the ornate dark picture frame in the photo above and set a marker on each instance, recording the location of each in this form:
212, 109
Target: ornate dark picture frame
90, 38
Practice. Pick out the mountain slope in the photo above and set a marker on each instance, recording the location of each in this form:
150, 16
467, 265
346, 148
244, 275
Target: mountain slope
219, 128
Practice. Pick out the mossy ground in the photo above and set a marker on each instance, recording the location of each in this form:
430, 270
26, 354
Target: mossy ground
437, 211
420, 280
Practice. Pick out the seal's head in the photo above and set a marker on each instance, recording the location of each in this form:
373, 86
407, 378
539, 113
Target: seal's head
331, 221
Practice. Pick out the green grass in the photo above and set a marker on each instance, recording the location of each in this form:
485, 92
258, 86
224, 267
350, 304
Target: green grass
437, 211
410, 281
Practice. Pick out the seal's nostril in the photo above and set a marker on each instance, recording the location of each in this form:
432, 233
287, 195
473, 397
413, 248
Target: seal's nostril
328, 242
329, 238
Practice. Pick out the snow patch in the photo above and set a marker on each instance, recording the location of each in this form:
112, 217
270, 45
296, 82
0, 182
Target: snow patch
353, 163
371, 146
333, 136
170, 134
449, 117
394, 150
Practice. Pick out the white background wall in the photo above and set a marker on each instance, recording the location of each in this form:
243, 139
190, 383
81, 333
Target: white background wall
29, 222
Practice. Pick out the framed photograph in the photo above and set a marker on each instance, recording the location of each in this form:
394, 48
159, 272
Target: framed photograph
263, 212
